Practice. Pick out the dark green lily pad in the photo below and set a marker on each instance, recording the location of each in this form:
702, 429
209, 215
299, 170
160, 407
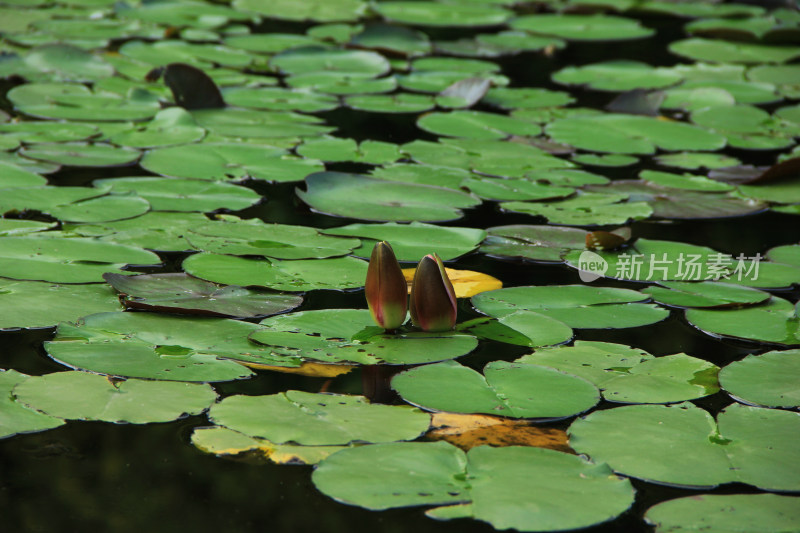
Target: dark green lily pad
582, 27
686, 447
179, 293
773, 322
253, 237
229, 161
686, 181
504, 389
585, 209
317, 10
258, 124
16, 418
61, 260
357, 196
534, 243
157, 346
326, 335
704, 294
523, 488
410, 242
768, 380
298, 275
82, 154
84, 396
627, 375
578, 306
172, 194
318, 419
725, 512
435, 14
476, 125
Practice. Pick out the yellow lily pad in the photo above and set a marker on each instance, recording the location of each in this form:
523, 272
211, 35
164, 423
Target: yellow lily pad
468, 431
314, 370
465, 282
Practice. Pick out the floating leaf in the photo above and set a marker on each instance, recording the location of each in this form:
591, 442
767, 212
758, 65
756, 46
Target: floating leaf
318, 10
686, 447
155, 230
179, 293
333, 149
504, 389
469, 431
435, 14
535, 243
704, 294
578, 306
81, 154
84, 396
318, 419
502, 482
476, 125
15, 417
170, 126
718, 51
768, 379
774, 322
582, 27
618, 76
585, 209
326, 335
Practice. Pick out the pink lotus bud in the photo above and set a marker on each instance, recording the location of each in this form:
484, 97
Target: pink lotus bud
386, 288
433, 299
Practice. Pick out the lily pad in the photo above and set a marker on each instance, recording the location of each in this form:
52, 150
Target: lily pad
16, 227
170, 126
410, 242
768, 380
436, 14
578, 306
318, 10
333, 149
62, 260
774, 322
725, 512
84, 396
391, 103
327, 335
512, 487
718, 51
297, 275
228, 161
687, 447
15, 417
179, 293
504, 389
618, 76
318, 419
704, 294
258, 124
534, 243
173, 194
476, 125
582, 27
695, 160
153, 346
82, 154
358, 196
585, 209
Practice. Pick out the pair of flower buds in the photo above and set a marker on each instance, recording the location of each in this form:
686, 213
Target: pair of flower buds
432, 302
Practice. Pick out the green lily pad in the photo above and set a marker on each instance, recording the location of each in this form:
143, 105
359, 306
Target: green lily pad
785, 77
605, 160
298, 275
578, 306
47, 132
514, 189
788, 254
774, 322
618, 76
333, 149
173, 194
499, 44
84, 396
625, 376
696, 160
582, 27
391, 103
229, 161
253, 237
33, 304
523, 328
685, 181
258, 124
725, 512
691, 98
704, 294
585, 209
317, 10
74, 101
396, 39
744, 126
768, 380
325, 335
686, 447
436, 14
170, 126
81, 154
155, 230
525, 98
179, 293
199, 55
280, 99
60, 260
718, 51
318, 419
423, 174
631, 134
476, 125
410, 242
534, 243
504, 389
522, 488
102, 209
341, 83
316, 59
63, 62
16, 418
358, 196
156, 346
269, 43
15, 227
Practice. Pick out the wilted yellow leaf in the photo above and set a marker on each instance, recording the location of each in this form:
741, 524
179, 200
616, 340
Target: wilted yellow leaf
314, 370
224, 441
465, 282
468, 431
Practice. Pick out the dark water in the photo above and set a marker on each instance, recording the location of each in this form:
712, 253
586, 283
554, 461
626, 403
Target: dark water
124, 478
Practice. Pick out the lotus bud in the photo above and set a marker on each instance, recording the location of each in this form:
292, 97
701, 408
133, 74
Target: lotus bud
386, 288
433, 299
